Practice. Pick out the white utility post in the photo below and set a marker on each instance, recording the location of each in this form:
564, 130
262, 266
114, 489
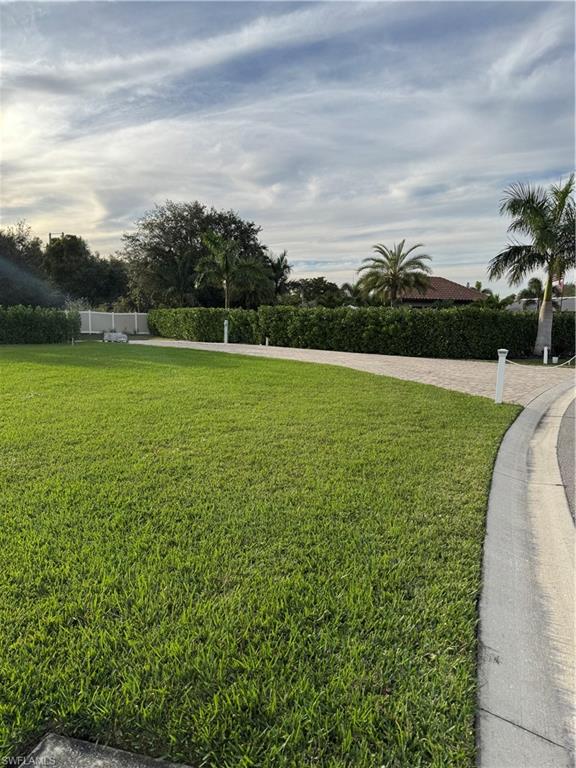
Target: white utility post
545, 356
500, 375
89, 321
267, 341
135, 322
225, 331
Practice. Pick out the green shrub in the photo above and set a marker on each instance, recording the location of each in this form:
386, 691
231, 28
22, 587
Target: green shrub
563, 334
466, 332
37, 325
205, 324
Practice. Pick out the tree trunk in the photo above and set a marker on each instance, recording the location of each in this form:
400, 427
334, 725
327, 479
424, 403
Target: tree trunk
544, 335
226, 301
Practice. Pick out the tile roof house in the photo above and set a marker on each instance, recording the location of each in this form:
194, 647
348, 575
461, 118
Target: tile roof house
441, 289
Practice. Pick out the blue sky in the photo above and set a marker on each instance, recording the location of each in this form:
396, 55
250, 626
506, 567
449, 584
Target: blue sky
332, 125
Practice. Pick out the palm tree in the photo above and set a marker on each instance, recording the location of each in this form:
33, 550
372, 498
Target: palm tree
352, 294
281, 270
220, 263
227, 267
493, 301
546, 217
389, 275
485, 291
535, 291
252, 283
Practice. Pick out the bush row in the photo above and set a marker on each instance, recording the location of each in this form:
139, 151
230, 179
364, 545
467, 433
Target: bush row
37, 325
205, 324
563, 334
467, 332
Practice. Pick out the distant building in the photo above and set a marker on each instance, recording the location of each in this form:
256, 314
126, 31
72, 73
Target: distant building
566, 304
442, 290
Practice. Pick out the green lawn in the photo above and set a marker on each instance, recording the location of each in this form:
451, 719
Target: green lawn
239, 562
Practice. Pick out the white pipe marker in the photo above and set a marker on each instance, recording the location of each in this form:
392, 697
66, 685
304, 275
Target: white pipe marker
500, 375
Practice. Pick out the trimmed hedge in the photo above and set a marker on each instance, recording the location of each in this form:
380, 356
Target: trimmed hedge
205, 324
37, 325
564, 334
467, 332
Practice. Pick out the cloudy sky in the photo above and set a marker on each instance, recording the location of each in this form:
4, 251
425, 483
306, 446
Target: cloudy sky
332, 125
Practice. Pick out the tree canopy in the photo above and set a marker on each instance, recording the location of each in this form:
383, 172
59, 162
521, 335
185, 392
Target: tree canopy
168, 253
80, 274
312, 292
23, 279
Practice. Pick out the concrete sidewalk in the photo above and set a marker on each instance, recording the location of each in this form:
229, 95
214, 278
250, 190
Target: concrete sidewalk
527, 645
567, 455
474, 377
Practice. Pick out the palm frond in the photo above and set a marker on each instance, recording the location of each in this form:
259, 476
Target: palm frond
515, 262
417, 262
372, 263
519, 198
413, 248
529, 208
561, 195
382, 250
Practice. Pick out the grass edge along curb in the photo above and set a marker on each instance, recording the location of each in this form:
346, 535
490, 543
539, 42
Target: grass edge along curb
459, 333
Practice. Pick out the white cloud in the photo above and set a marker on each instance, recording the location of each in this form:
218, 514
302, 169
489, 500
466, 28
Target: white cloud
152, 67
347, 134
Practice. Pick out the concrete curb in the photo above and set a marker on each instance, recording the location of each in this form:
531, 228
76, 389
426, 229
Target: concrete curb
526, 636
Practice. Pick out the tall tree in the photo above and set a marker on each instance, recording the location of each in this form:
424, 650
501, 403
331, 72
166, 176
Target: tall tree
22, 277
281, 270
237, 273
390, 274
219, 266
79, 273
66, 260
111, 277
165, 251
546, 218
254, 283
313, 292
163, 254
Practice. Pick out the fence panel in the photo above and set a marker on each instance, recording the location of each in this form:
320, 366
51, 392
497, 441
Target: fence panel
122, 322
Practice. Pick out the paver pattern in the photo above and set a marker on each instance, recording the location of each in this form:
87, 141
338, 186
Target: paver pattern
475, 377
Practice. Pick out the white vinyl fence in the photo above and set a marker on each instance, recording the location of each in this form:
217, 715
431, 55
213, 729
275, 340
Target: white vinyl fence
121, 322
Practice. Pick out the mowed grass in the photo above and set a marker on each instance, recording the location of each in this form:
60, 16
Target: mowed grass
233, 561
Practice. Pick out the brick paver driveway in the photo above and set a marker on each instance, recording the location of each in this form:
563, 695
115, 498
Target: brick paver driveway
523, 382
